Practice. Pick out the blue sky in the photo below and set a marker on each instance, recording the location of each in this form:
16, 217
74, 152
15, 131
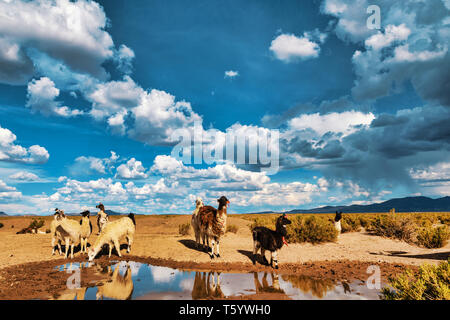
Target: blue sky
91, 92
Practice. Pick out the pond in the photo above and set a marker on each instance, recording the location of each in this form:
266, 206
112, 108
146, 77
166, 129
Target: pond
134, 280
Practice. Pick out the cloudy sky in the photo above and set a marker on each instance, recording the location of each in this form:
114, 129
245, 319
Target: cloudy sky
91, 93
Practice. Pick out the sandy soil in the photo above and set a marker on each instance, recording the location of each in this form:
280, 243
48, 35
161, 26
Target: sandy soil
158, 242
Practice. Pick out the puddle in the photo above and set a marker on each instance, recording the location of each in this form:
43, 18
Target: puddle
137, 281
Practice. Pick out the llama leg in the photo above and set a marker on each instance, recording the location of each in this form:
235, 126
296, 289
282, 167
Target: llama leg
130, 242
59, 247
197, 237
274, 258
263, 254
217, 248
71, 250
53, 245
110, 249
256, 247
67, 247
212, 248
117, 246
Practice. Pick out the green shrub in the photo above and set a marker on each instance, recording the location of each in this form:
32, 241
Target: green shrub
232, 228
350, 224
430, 283
311, 229
444, 219
1, 225
268, 222
184, 229
401, 228
430, 237
35, 224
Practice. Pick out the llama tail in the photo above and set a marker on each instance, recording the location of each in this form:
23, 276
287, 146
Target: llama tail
131, 216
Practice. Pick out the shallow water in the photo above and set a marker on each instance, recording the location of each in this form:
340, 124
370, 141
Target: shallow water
134, 280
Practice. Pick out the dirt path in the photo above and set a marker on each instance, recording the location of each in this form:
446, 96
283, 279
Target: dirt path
157, 237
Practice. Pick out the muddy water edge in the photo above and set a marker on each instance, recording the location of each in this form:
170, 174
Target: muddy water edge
45, 280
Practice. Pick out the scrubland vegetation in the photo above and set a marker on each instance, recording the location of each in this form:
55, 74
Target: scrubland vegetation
429, 283
428, 229
232, 228
184, 229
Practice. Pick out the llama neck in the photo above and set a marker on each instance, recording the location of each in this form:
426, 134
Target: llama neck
99, 244
85, 221
280, 229
222, 212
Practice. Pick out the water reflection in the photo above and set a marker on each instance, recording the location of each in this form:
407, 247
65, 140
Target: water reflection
317, 287
132, 280
207, 286
118, 287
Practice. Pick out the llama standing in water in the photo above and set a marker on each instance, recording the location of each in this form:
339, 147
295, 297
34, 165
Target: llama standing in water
195, 220
213, 224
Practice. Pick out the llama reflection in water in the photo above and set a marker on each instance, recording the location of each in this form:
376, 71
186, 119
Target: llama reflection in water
118, 287
264, 287
206, 287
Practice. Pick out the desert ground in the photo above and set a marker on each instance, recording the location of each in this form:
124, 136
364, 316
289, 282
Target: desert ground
158, 241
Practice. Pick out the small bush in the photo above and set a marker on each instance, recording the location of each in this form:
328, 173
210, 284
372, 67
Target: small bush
445, 219
311, 229
400, 228
430, 283
232, 228
267, 222
35, 224
184, 229
430, 237
1, 225
350, 224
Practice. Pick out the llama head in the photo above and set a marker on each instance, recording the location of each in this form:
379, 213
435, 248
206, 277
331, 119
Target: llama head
281, 223
199, 202
86, 213
100, 206
338, 216
91, 254
223, 202
59, 214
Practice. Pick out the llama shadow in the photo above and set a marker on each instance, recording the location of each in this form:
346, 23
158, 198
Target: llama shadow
259, 258
191, 244
76, 248
435, 256
105, 250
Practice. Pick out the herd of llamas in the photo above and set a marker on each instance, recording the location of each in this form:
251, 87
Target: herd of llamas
208, 223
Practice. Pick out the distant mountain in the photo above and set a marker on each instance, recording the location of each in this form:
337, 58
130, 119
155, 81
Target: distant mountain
408, 204
2, 213
94, 213
114, 213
